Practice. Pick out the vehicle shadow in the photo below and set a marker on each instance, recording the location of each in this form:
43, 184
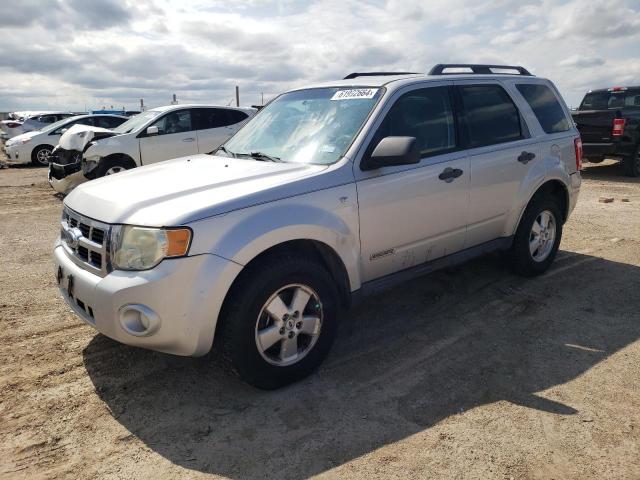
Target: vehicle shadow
404, 361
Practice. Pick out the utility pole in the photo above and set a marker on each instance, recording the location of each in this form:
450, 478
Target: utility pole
237, 96
262, 102
142, 104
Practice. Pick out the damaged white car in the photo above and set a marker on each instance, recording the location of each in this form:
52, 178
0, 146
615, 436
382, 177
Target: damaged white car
159, 134
65, 168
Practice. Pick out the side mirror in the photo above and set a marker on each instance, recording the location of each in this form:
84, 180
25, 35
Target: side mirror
151, 131
393, 151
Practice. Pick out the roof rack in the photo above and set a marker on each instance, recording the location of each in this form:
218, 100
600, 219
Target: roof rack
476, 69
375, 74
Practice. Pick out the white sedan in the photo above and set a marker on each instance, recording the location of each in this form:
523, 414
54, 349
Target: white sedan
36, 147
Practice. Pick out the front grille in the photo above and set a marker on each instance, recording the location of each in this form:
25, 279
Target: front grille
85, 240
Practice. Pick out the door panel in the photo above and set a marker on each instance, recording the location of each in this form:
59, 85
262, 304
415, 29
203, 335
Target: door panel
501, 155
176, 138
412, 216
497, 178
408, 214
216, 126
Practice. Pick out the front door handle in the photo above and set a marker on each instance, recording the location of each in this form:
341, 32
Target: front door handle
450, 174
526, 157
190, 139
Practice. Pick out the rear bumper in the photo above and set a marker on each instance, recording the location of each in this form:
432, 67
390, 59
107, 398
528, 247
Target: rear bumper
599, 151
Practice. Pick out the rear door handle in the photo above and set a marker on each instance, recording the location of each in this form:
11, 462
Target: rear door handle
190, 139
450, 174
526, 157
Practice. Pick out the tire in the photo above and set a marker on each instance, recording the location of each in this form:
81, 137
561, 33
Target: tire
631, 165
110, 166
41, 155
530, 263
244, 321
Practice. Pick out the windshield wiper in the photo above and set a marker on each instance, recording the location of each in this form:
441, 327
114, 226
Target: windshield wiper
222, 148
260, 156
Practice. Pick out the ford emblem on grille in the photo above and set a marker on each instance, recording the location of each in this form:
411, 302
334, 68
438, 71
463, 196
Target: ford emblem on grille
73, 236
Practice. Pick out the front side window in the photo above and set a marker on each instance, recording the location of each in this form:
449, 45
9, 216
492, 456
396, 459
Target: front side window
425, 114
490, 115
545, 106
174, 122
307, 126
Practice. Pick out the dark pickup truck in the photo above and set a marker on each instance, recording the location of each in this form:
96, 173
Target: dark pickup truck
609, 124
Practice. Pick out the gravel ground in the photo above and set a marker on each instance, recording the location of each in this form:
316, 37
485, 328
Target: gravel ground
468, 373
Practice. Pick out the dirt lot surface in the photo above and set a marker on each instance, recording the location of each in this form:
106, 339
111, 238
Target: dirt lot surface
469, 373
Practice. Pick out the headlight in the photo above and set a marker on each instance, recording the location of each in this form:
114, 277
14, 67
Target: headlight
142, 248
25, 140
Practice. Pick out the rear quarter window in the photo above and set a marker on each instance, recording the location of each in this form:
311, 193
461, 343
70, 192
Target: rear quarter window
545, 106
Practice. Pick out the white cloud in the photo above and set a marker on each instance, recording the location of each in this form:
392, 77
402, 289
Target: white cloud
98, 53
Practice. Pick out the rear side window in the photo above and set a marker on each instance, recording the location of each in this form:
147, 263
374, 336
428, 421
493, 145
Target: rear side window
425, 114
545, 106
490, 114
609, 100
217, 117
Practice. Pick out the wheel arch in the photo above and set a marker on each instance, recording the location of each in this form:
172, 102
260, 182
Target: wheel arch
556, 189
121, 156
38, 147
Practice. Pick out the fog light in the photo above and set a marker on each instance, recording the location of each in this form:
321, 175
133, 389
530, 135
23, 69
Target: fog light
138, 320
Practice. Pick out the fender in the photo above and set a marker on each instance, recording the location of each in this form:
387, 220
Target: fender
554, 170
242, 235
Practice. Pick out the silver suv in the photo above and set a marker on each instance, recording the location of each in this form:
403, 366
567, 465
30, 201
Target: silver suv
329, 193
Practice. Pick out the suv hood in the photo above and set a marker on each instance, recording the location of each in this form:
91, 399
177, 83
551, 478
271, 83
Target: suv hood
78, 136
186, 189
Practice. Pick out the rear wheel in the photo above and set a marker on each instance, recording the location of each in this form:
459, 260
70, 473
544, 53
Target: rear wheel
279, 321
41, 155
538, 237
631, 164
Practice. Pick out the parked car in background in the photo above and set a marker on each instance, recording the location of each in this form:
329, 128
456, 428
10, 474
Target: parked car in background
329, 193
609, 124
153, 136
36, 146
39, 122
32, 122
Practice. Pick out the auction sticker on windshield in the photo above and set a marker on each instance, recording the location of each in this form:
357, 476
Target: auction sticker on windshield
354, 93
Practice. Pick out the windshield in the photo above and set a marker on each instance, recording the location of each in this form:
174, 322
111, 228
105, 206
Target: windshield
611, 100
137, 121
59, 123
307, 126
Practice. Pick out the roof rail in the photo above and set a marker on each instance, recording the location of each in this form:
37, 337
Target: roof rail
477, 69
375, 74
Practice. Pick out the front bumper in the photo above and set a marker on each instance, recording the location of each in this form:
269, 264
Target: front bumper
17, 154
64, 178
184, 294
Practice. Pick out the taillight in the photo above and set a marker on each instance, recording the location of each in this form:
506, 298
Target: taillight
618, 127
577, 143
13, 125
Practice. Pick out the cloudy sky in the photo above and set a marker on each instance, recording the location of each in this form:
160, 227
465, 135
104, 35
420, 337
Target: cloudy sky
77, 54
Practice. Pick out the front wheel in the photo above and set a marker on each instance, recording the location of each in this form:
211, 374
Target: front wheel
41, 155
538, 237
111, 166
280, 321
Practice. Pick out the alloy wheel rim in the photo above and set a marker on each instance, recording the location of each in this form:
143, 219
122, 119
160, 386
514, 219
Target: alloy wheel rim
43, 156
542, 236
113, 170
289, 324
